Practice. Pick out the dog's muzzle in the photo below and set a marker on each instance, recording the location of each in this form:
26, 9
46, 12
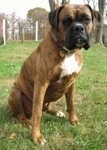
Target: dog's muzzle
77, 36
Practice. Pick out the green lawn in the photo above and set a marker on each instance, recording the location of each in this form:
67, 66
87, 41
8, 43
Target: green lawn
90, 104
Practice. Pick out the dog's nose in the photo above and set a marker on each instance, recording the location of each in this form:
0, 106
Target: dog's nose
79, 28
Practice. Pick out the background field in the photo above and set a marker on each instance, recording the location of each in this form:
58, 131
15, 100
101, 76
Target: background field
90, 104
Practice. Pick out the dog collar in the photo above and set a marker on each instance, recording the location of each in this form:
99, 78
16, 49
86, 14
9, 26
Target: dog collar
63, 49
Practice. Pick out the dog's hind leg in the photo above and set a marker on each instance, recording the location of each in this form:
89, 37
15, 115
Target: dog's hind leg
53, 112
15, 102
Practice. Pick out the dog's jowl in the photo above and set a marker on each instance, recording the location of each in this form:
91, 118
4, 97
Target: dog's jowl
51, 70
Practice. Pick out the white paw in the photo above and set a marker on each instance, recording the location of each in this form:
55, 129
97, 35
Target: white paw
60, 114
43, 142
30, 127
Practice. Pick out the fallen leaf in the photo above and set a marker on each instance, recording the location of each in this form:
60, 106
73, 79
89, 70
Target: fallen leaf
12, 136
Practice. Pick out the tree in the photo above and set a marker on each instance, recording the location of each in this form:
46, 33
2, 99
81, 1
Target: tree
52, 4
21, 32
55, 3
40, 15
93, 3
101, 5
13, 22
13, 25
100, 26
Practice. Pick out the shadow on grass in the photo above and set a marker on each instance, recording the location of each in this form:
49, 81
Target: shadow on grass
6, 117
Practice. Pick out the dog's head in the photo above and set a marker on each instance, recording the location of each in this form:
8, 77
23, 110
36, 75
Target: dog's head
73, 24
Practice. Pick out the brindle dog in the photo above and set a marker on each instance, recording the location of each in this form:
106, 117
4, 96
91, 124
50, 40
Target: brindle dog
51, 70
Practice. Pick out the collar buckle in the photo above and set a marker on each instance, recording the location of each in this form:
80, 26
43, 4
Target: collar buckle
64, 49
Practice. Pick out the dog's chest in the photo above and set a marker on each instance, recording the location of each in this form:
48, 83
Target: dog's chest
69, 66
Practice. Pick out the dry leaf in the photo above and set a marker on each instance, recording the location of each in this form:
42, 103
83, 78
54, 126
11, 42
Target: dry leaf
12, 136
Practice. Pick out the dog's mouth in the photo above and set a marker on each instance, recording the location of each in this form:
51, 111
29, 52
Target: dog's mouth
80, 43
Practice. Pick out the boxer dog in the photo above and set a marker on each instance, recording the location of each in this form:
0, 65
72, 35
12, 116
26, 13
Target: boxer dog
51, 70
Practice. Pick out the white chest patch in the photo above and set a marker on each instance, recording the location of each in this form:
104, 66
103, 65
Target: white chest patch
69, 65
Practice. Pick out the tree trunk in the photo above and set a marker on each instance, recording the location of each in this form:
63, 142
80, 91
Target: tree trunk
99, 34
55, 3
52, 4
65, 1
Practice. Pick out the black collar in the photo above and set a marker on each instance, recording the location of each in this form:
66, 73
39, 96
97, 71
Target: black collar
63, 49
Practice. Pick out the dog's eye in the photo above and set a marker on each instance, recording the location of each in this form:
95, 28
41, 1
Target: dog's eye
86, 20
67, 21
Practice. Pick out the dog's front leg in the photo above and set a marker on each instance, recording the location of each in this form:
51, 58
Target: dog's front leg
38, 98
70, 104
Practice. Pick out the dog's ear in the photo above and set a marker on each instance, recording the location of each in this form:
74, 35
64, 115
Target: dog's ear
95, 14
53, 17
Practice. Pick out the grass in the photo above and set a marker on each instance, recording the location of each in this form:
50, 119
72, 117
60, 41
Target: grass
90, 104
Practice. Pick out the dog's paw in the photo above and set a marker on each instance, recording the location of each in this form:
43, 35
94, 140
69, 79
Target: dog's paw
39, 140
74, 120
30, 127
60, 114
43, 142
